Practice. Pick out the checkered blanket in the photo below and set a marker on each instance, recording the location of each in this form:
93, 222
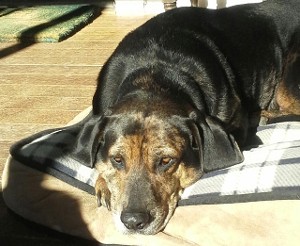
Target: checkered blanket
270, 171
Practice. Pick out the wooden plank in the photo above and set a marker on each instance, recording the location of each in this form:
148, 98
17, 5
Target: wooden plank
48, 70
16, 91
81, 44
46, 102
14, 132
47, 79
37, 116
64, 57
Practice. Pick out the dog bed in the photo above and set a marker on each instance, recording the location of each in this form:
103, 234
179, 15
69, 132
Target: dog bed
252, 203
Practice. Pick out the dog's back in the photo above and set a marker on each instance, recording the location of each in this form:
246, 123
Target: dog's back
236, 42
176, 99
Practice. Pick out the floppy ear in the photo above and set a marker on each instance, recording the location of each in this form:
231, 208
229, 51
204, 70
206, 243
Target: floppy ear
219, 149
87, 140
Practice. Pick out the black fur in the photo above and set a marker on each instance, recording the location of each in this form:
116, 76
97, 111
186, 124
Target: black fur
223, 65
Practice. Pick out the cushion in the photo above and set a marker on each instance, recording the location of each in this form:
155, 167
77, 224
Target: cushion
252, 203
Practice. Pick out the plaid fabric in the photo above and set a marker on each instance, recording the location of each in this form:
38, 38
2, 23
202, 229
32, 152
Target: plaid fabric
49, 152
270, 171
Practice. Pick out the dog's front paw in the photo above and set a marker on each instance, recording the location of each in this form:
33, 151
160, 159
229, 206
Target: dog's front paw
102, 193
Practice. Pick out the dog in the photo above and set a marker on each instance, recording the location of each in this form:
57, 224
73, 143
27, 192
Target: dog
182, 95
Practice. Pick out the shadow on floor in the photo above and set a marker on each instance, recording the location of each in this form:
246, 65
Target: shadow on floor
16, 231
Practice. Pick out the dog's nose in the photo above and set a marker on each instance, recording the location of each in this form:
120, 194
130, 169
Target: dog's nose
135, 220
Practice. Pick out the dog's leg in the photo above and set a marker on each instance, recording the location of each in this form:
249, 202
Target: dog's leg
286, 103
288, 92
102, 193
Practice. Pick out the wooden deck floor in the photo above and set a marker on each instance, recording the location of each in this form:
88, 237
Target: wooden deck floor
45, 85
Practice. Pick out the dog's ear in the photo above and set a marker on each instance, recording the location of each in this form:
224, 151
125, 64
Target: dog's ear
218, 148
87, 141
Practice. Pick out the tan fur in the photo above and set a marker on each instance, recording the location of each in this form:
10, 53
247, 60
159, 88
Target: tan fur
288, 103
140, 152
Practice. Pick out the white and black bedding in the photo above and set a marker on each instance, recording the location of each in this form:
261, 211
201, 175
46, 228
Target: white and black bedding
271, 171
267, 182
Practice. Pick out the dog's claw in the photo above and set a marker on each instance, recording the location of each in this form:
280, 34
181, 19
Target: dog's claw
102, 194
107, 203
98, 199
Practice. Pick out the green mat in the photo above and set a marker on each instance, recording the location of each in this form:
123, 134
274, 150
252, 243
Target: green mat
44, 23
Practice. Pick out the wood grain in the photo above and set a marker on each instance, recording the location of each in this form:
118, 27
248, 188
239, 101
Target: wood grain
44, 85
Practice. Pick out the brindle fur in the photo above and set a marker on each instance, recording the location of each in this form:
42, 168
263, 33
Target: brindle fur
182, 95
141, 142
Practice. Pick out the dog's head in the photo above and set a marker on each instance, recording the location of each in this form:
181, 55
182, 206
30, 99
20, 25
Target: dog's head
148, 153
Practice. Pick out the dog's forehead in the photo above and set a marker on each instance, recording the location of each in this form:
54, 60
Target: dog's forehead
152, 131
133, 122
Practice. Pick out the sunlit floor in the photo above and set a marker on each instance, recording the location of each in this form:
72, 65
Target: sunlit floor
45, 85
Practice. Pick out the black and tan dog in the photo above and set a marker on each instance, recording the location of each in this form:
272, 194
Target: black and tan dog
180, 96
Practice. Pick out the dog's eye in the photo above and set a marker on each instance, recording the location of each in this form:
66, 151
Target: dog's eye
117, 161
166, 161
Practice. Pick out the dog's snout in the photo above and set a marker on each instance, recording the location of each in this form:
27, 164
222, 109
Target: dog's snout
135, 220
